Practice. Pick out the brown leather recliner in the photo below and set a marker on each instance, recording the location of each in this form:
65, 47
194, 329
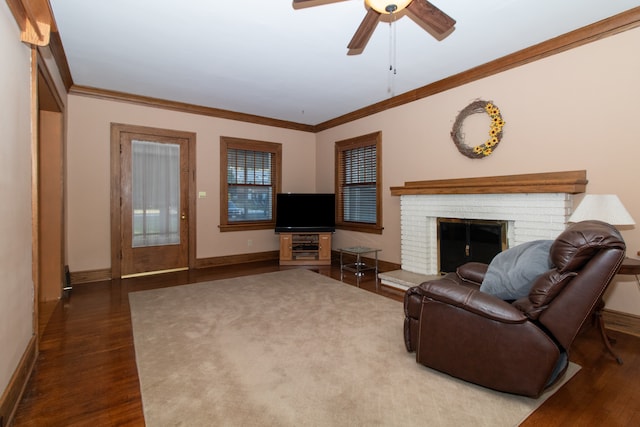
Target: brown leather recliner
521, 346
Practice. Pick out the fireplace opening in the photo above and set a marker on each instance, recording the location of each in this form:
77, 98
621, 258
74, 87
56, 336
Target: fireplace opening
465, 240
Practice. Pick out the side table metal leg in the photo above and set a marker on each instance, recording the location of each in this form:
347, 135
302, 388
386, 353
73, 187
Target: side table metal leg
605, 338
376, 276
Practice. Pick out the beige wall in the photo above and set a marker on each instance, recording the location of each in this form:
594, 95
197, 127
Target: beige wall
88, 169
16, 284
575, 110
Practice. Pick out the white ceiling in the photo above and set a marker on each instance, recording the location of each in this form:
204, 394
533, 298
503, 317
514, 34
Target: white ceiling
266, 58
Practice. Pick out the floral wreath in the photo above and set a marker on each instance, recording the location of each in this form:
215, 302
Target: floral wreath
495, 132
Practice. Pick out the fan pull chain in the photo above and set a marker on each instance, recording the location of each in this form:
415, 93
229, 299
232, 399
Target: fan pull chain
393, 49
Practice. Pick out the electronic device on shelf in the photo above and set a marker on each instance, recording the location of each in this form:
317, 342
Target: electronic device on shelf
305, 212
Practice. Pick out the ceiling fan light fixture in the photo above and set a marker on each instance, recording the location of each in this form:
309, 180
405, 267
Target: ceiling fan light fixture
387, 6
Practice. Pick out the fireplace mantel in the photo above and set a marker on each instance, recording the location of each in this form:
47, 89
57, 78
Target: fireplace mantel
570, 182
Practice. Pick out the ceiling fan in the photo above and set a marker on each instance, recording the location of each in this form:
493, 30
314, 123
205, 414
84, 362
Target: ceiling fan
438, 23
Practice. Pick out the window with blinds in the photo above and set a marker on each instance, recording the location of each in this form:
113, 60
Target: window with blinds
358, 183
250, 182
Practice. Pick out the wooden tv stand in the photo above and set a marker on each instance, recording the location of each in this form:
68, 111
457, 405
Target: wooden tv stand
305, 248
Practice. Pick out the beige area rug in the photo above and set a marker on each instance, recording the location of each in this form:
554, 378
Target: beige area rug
294, 348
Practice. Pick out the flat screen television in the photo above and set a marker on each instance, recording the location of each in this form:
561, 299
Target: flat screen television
305, 212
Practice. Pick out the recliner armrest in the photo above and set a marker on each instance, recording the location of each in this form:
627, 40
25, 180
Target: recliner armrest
473, 272
472, 300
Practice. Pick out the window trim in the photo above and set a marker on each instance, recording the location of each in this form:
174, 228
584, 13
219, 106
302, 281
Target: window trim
374, 138
275, 149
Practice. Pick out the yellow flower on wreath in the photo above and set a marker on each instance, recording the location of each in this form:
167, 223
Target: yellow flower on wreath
487, 151
478, 149
489, 107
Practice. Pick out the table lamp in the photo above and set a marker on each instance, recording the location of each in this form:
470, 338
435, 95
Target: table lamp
602, 207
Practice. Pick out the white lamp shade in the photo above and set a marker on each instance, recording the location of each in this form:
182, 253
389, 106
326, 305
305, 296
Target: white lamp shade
602, 207
381, 5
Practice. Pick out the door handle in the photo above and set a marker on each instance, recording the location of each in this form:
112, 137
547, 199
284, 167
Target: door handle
183, 216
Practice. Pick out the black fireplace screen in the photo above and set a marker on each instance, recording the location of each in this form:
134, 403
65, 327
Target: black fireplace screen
465, 240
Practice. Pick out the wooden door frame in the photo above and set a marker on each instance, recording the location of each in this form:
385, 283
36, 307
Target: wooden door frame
116, 239
44, 96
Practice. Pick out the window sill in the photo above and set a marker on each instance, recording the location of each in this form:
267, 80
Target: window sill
247, 226
362, 228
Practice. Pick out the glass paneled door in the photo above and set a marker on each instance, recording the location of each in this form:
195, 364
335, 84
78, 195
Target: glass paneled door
154, 204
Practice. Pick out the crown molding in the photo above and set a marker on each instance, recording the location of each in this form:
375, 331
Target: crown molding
608, 27
596, 31
185, 108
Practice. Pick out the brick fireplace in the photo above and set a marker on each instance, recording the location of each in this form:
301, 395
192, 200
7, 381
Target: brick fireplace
535, 206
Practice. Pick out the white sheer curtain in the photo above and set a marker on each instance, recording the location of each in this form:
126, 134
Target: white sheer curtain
155, 193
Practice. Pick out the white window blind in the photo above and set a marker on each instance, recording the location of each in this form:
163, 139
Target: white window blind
358, 183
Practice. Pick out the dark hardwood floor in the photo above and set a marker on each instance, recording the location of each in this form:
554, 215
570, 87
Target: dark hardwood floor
86, 371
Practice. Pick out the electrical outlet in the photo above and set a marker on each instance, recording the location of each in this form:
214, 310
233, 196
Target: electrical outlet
249, 242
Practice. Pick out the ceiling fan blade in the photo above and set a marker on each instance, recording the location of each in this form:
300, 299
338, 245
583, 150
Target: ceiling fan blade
431, 16
364, 31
